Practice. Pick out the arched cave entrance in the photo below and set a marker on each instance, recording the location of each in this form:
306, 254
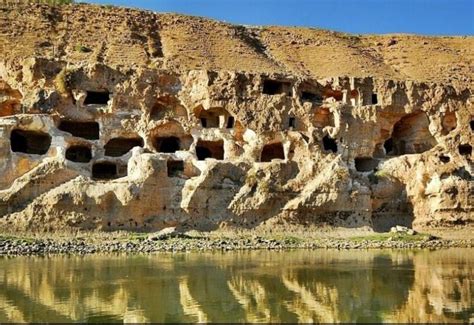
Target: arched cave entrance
167, 106
449, 122
272, 151
170, 137
167, 144
410, 135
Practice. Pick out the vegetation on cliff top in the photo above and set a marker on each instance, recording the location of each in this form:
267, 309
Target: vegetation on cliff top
51, 2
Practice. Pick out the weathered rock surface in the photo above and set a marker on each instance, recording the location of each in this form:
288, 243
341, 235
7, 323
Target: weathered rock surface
124, 119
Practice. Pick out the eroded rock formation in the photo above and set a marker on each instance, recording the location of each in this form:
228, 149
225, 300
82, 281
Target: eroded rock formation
94, 140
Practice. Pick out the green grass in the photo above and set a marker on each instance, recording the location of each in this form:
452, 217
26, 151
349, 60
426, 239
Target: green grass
394, 237
289, 240
137, 236
16, 238
382, 174
82, 48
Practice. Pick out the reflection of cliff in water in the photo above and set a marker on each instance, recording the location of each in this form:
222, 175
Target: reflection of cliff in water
444, 289
322, 286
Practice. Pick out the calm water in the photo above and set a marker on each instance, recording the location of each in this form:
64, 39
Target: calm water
323, 286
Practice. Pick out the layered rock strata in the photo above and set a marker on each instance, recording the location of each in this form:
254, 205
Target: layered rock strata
93, 144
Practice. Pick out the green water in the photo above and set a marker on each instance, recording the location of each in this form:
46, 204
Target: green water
259, 286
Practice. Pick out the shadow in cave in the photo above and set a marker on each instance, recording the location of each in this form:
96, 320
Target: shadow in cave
394, 208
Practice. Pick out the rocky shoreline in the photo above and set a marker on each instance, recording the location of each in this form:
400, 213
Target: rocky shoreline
18, 246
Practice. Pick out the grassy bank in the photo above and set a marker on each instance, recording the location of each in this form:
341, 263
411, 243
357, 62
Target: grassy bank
133, 242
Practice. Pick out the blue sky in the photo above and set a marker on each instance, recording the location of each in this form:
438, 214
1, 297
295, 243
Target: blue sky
432, 17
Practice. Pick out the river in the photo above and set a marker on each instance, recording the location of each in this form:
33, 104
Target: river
250, 286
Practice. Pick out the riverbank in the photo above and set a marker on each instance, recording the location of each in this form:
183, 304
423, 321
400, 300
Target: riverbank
173, 241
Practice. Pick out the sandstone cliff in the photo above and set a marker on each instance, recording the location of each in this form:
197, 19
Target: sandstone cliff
114, 118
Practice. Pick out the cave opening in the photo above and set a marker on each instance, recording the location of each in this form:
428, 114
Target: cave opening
471, 123
210, 118
365, 164
274, 87
167, 144
105, 170
30, 142
329, 144
374, 99
465, 149
410, 135
230, 122
307, 96
215, 117
79, 153
292, 122
444, 159
323, 117
175, 167
157, 111
210, 121
97, 98
81, 129
272, 151
210, 149
167, 107
388, 146
120, 146
448, 122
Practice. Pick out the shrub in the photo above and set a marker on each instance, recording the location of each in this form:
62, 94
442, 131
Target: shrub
82, 49
251, 179
373, 178
382, 174
264, 186
341, 173
62, 81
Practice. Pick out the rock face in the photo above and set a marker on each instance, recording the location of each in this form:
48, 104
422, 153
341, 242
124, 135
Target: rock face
122, 119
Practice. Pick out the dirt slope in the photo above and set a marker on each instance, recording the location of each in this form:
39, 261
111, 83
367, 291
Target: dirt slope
120, 36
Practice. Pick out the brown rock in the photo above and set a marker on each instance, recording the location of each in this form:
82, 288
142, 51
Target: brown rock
183, 121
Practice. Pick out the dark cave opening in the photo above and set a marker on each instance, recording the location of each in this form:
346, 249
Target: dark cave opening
97, 98
119, 146
167, 144
272, 151
86, 130
210, 149
79, 153
30, 142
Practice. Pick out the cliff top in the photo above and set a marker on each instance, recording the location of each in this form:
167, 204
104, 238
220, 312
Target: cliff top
127, 37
